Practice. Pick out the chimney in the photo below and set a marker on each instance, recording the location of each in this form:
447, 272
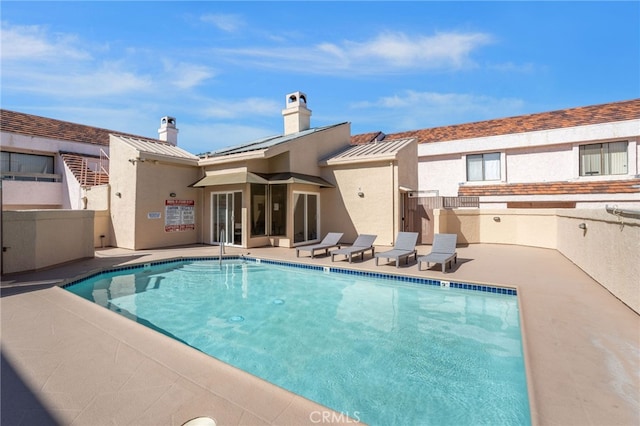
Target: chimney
296, 115
168, 131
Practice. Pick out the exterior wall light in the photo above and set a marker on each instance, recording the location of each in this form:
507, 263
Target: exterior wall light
172, 195
583, 226
496, 218
118, 194
360, 193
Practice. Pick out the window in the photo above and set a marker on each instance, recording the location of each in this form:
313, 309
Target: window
278, 194
20, 166
483, 166
603, 159
268, 209
258, 209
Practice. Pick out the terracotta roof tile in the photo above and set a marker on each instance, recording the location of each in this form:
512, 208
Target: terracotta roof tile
551, 188
366, 138
33, 125
594, 114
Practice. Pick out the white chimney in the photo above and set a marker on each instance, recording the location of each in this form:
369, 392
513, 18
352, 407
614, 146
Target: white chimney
296, 115
168, 131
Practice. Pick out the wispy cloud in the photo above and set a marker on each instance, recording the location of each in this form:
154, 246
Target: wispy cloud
36, 61
226, 22
385, 53
33, 43
411, 110
186, 75
221, 109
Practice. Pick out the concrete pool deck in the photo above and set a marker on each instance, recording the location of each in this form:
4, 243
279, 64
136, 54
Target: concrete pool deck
68, 361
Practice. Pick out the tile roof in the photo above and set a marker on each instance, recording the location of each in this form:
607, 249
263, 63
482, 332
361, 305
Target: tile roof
366, 138
33, 125
553, 188
582, 116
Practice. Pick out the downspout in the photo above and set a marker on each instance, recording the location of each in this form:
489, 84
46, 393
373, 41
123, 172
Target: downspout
393, 205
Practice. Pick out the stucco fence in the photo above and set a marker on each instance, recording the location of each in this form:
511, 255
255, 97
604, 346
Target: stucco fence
605, 246
36, 239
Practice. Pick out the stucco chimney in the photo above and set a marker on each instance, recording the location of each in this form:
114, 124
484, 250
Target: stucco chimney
168, 131
296, 115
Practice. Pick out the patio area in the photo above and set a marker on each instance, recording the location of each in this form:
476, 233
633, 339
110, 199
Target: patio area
68, 361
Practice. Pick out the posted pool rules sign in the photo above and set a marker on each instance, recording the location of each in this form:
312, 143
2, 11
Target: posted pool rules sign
179, 215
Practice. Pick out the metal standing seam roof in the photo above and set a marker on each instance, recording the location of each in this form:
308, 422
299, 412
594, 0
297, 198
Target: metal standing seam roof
263, 143
369, 152
157, 148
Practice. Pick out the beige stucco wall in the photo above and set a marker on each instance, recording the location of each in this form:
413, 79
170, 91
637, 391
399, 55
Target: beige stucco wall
102, 231
527, 227
23, 195
37, 239
609, 250
97, 197
143, 188
376, 212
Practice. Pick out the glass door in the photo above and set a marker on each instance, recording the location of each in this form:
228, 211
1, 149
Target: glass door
226, 218
305, 217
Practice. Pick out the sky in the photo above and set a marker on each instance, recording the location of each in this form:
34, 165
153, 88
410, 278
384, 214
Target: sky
223, 69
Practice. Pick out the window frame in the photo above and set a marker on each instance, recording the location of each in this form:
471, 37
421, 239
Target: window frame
483, 161
602, 154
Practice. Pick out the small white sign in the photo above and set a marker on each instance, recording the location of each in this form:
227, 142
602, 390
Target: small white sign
154, 215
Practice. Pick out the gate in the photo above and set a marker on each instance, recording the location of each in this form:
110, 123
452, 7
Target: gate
418, 212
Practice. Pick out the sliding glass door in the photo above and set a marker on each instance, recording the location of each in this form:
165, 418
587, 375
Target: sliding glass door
226, 218
306, 220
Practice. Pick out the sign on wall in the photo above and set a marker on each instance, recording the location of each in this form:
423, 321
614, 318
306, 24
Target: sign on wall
179, 215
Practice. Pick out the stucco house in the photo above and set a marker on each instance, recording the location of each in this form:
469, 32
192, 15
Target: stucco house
291, 189
282, 190
585, 157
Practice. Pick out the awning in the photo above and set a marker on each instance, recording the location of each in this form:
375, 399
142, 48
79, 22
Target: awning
228, 179
263, 178
290, 177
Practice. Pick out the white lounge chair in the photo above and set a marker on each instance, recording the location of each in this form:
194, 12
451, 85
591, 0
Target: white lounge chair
363, 243
332, 239
405, 247
443, 251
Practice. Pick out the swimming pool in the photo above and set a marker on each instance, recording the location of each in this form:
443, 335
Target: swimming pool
380, 349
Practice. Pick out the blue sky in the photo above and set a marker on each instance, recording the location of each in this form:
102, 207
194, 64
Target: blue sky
223, 68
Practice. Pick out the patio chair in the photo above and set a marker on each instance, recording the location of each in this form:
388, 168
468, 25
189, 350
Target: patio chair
405, 247
363, 243
332, 239
443, 251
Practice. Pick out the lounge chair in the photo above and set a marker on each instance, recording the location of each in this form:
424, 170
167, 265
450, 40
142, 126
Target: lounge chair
405, 247
363, 243
443, 251
332, 239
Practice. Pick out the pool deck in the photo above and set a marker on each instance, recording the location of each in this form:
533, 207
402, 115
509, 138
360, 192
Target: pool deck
67, 361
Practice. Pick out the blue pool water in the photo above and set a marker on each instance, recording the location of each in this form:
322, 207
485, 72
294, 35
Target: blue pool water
382, 351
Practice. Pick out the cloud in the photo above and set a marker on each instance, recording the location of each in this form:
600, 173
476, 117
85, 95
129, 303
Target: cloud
32, 43
388, 52
411, 110
249, 107
218, 135
185, 75
226, 22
